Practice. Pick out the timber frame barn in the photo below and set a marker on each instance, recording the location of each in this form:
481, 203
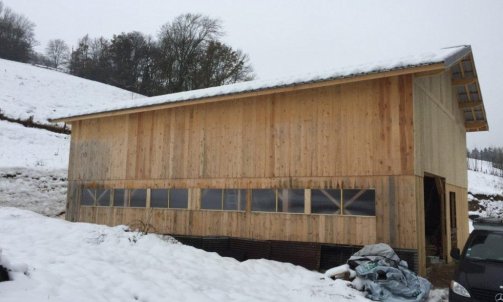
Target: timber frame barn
303, 169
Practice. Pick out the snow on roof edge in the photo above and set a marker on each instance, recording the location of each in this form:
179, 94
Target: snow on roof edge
447, 56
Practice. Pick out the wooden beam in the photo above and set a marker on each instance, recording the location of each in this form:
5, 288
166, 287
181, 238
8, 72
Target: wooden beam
470, 104
291, 88
464, 81
475, 125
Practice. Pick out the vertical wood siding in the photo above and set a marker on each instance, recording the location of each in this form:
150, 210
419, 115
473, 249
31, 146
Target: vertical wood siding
357, 129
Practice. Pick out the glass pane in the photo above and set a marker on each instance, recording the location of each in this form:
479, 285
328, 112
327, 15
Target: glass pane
486, 246
178, 198
264, 200
242, 201
158, 198
325, 201
234, 199
103, 197
138, 198
119, 197
359, 202
211, 199
291, 201
87, 197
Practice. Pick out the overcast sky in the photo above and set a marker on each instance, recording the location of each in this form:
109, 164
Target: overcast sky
292, 37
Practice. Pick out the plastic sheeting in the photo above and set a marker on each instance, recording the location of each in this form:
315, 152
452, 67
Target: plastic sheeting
383, 276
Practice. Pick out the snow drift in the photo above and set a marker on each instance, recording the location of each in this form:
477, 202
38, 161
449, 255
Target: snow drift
55, 260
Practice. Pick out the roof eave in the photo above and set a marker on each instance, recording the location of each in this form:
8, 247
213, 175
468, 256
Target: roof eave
293, 87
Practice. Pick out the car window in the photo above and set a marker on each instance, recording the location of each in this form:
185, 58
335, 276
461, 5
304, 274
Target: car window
485, 246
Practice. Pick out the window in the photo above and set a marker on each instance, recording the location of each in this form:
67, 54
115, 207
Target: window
264, 200
325, 201
88, 197
359, 202
282, 200
290, 201
485, 246
223, 199
234, 199
169, 198
119, 197
138, 198
211, 199
159, 198
178, 198
103, 197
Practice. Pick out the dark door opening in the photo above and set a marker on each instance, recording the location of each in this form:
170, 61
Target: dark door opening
434, 221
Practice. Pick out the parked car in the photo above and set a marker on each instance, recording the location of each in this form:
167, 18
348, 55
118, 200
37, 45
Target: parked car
479, 274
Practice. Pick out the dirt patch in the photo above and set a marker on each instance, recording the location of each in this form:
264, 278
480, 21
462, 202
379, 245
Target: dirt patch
440, 275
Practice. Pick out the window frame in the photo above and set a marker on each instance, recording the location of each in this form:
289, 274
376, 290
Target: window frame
93, 196
106, 191
244, 200
340, 206
169, 199
222, 200
130, 192
343, 202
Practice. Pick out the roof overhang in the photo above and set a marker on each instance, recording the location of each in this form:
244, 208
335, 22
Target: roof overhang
423, 69
459, 60
466, 86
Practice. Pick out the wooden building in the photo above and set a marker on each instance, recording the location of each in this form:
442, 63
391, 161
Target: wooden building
357, 156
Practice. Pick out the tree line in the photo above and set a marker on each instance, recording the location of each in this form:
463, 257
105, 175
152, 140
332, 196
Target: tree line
494, 155
188, 53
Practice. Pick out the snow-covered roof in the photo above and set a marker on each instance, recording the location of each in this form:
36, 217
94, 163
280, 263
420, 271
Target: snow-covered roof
444, 56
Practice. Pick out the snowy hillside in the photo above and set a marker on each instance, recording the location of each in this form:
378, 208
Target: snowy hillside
33, 168
34, 148
483, 179
27, 90
33, 162
485, 191
55, 260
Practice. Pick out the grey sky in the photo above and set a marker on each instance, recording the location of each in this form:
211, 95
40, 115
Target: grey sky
291, 37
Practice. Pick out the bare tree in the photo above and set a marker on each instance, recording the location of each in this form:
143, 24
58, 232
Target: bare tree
17, 36
192, 57
58, 52
188, 55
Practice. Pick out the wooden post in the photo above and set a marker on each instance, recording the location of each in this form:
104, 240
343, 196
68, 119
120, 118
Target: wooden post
307, 201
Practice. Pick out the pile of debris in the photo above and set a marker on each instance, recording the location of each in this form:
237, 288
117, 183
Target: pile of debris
377, 270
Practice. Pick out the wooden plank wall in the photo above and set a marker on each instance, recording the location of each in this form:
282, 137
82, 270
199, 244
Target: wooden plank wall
439, 130
440, 149
362, 128
461, 214
394, 223
261, 226
357, 135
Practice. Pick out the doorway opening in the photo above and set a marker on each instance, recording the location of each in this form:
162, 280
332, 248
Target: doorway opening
434, 220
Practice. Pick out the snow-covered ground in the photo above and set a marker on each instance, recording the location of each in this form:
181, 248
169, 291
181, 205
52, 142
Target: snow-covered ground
27, 90
37, 190
55, 260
